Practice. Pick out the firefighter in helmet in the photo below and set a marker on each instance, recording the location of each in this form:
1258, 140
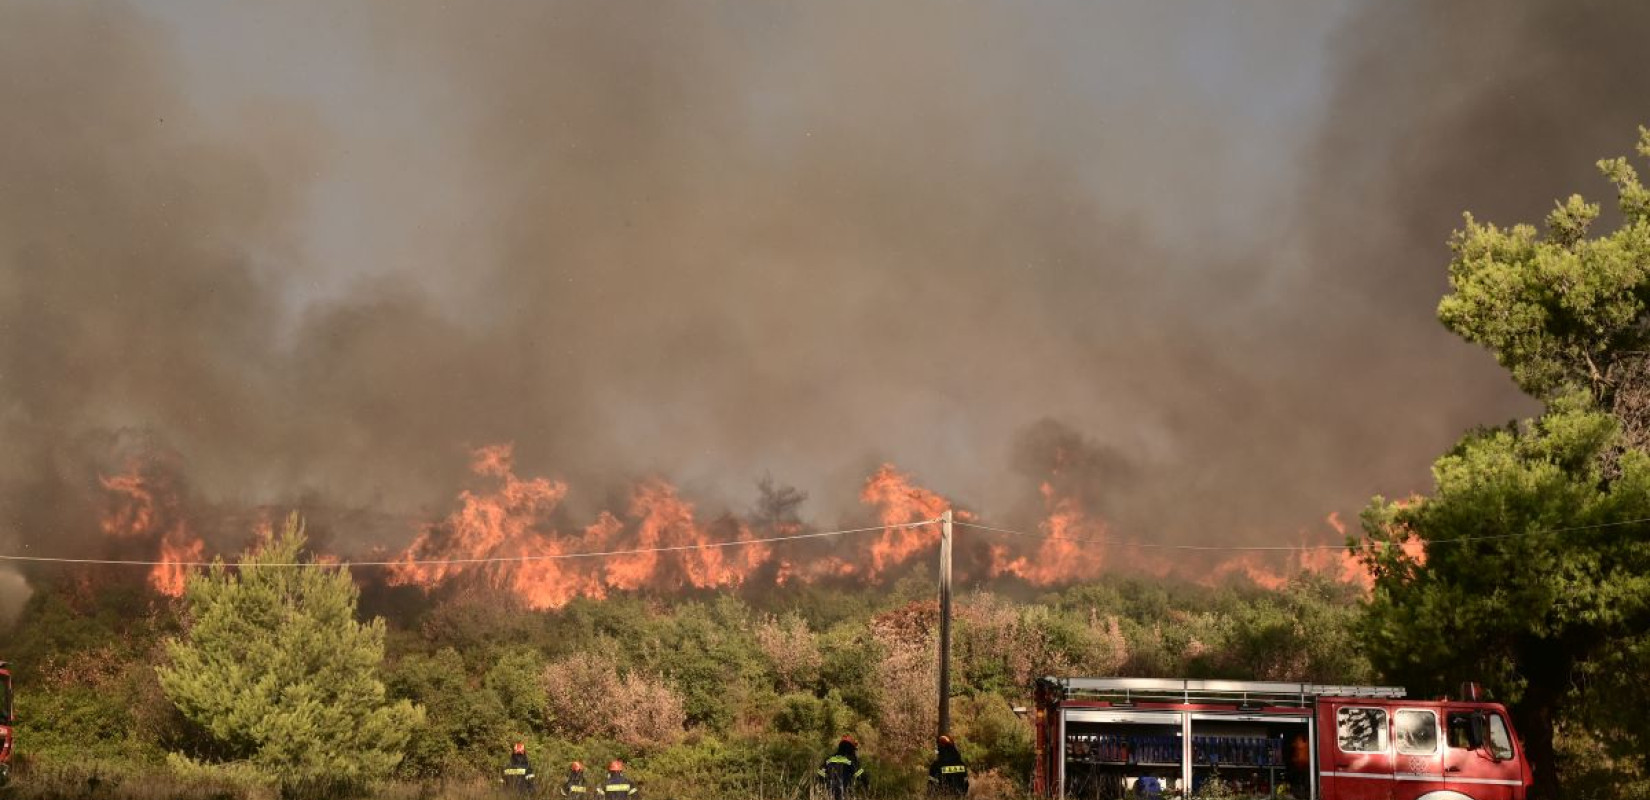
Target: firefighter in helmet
617, 786
947, 774
575, 785
842, 773
518, 774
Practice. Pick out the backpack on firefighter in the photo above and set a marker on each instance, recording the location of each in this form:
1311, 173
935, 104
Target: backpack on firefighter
841, 775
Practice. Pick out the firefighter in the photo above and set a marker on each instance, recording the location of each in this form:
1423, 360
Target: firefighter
617, 785
841, 773
948, 774
575, 785
518, 774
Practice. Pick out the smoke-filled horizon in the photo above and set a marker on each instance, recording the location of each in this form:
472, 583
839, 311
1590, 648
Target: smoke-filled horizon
1177, 263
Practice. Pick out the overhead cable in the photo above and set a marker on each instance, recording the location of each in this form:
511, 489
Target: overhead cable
1291, 548
480, 560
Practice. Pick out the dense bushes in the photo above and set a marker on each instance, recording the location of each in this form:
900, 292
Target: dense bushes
706, 695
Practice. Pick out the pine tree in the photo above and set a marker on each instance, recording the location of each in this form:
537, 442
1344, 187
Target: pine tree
279, 675
1539, 584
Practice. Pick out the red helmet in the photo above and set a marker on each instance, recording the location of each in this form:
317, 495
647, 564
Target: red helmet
848, 739
945, 740
577, 767
519, 748
616, 766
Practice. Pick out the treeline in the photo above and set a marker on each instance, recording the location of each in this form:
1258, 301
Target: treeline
717, 696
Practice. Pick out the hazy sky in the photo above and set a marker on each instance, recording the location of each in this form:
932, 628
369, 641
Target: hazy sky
1185, 255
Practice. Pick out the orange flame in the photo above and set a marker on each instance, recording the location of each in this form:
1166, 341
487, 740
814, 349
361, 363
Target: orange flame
1061, 556
494, 524
510, 533
169, 577
140, 510
899, 502
506, 536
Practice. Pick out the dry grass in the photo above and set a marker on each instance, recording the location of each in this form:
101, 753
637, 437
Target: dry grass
71, 784
93, 781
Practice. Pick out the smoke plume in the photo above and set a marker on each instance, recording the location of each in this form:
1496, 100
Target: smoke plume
1178, 265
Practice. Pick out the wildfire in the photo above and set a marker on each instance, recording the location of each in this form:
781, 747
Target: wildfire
507, 537
510, 533
141, 508
1062, 556
899, 503
501, 523
1331, 558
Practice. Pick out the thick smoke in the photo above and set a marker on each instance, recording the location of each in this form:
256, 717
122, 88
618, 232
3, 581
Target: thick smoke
717, 241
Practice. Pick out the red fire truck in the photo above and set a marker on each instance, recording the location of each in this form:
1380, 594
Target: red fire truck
5, 723
1128, 737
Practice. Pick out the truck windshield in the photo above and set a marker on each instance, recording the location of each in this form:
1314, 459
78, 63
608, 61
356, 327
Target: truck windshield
1500, 743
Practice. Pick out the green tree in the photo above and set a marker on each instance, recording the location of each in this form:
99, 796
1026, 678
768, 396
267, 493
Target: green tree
467, 727
1564, 311
1555, 623
1548, 621
275, 669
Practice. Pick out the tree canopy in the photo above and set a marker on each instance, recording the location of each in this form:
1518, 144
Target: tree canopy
275, 669
1535, 577
1563, 311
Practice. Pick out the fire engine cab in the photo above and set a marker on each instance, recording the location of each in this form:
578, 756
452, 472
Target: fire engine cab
1144, 737
5, 723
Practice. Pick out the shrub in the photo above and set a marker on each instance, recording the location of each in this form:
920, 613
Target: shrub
587, 696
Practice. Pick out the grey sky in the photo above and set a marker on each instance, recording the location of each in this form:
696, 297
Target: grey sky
1217, 92
320, 250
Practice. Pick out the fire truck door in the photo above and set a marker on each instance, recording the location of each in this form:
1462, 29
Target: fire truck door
1480, 761
1355, 752
1418, 763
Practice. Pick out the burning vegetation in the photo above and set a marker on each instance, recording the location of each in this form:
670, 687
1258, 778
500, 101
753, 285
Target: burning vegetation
513, 534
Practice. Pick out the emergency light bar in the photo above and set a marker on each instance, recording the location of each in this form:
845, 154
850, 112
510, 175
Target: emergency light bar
1246, 693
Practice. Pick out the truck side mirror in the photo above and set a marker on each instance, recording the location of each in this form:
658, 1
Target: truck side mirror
1481, 732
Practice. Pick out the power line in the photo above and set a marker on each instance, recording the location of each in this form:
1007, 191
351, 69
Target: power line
485, 560
1289, 548
801, 536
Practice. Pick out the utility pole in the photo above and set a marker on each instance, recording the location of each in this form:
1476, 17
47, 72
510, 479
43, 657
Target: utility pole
945, 623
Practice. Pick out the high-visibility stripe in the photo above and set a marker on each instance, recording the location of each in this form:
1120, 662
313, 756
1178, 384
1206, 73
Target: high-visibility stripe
953, 770
515, 771
616, 787
1387, 776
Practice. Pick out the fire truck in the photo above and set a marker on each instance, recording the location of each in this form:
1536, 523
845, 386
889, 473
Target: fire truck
5, 723
1134, 737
